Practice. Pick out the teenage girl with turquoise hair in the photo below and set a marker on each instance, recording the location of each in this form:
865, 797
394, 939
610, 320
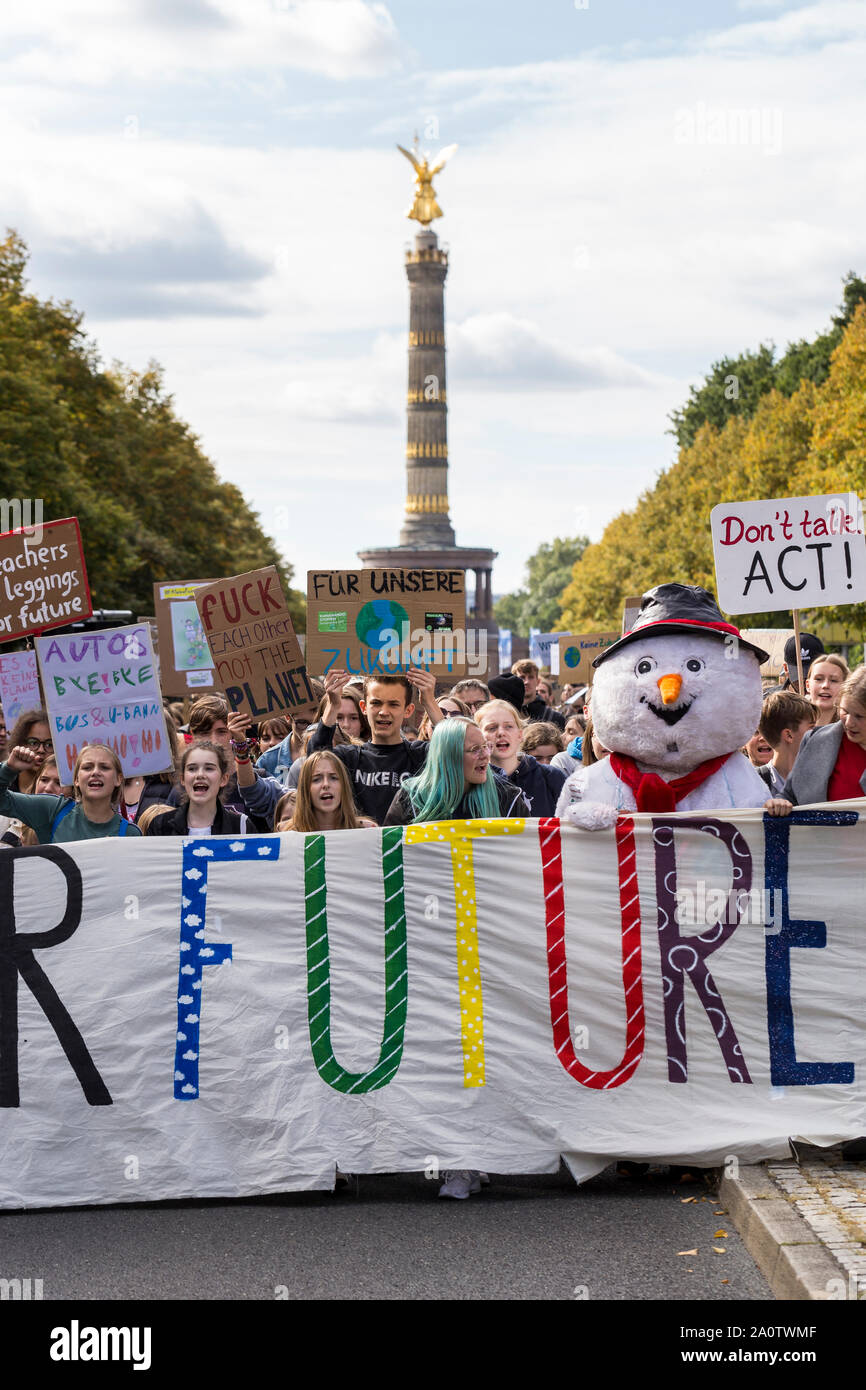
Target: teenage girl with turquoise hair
456, 782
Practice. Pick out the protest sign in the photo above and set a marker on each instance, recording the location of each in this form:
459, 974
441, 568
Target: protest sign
540, 646
184, 655
19, 685
771, 640
279, 1004
253, 646
101, 687
370, 620
790, 552
576, 655
630, 611
504, 648
44, 582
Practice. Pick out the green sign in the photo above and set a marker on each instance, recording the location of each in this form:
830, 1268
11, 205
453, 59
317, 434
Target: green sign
333, 622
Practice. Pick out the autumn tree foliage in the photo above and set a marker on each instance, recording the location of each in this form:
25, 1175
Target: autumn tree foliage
106, 446
803, 443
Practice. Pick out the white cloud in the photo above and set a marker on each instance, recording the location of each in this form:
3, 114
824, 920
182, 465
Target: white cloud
98, 41
501, 352
352, 405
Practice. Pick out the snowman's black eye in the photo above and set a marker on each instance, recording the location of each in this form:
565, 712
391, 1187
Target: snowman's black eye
694, 664
644, 666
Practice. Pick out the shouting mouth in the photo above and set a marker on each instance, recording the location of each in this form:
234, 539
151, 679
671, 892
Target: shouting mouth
670, 716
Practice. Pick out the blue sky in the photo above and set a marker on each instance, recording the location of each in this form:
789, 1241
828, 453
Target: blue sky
638, 190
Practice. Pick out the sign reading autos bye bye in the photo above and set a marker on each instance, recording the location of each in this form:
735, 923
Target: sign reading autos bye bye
791, 552
101, 687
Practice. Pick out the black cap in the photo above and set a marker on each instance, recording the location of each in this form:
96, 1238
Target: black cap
680, 608
510, 688
810, 647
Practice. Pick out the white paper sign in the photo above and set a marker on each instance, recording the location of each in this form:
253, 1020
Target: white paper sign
101, 687
243, 1014
791, 552
19, 685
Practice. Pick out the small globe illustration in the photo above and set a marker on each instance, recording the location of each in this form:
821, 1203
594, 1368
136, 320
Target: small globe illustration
377, 618
572, 657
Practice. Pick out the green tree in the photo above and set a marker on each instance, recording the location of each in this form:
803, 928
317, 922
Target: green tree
735, 385
107, 446
547, 573
807, 443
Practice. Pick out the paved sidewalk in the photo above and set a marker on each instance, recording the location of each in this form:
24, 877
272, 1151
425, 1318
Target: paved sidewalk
804, 1223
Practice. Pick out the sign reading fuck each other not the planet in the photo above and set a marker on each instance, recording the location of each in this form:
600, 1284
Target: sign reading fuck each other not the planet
256, 655
789, 552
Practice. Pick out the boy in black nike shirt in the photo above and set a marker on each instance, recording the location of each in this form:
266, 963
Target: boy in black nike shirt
377, 770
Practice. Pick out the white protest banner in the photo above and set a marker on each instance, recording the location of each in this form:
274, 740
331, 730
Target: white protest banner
19, 685
791, 552
243, 1014
101, 687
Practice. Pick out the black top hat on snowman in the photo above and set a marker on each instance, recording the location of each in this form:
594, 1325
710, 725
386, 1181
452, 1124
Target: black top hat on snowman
670, 608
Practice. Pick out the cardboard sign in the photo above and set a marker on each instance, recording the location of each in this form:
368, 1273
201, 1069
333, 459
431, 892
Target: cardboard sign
185, 662
772, 640
791, 552
341, 1030
576, 655
630, 611
254, 650
19, 685
369, 620
43, 582
101, 687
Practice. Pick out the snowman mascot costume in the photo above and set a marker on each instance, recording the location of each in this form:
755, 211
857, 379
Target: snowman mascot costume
674, 701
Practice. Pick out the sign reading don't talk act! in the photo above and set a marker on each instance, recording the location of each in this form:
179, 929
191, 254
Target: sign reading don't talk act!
370, 620
789, 552
101, 687
255, 652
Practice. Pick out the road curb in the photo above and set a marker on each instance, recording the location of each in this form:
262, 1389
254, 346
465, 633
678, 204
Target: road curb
794, 1262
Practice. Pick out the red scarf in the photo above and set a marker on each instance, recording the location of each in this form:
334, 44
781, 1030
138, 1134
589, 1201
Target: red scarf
653, 793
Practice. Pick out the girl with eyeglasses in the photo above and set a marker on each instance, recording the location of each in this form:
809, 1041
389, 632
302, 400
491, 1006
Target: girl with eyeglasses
31, 731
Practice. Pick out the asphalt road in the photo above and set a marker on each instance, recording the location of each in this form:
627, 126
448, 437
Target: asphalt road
392, 1238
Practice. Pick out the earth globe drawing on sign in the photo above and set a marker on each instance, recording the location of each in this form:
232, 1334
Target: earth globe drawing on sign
571, 657
378, 621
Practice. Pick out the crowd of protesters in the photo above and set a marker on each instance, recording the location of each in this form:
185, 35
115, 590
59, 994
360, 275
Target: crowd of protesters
387, 750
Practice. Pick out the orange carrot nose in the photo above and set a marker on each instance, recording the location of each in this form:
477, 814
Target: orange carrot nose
670, 687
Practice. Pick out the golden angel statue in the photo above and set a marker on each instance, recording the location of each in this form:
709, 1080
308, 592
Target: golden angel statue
425, 206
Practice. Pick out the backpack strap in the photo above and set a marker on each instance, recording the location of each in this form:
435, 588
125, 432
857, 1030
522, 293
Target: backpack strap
124, 826
63, 812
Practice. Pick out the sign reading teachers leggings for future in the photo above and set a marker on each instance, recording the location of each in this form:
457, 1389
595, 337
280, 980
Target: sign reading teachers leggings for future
101, 687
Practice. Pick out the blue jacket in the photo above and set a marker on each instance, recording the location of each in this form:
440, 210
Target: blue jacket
539, 783
277, 761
